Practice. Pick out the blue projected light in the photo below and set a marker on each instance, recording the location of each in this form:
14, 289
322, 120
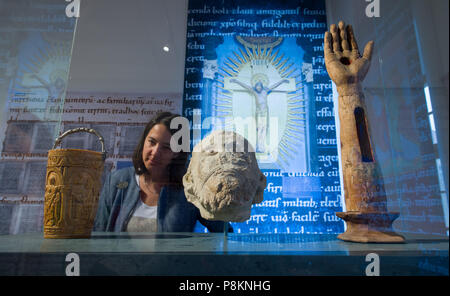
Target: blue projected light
261, 73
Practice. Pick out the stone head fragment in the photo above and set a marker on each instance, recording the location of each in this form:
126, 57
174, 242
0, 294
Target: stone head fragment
223, 179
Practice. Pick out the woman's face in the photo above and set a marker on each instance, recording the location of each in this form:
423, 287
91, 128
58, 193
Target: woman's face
156, 152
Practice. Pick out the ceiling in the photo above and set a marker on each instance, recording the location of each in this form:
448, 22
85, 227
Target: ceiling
118, 46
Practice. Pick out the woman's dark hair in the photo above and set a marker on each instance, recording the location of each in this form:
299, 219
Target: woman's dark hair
177, 168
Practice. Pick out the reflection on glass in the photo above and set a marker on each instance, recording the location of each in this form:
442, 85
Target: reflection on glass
35, 53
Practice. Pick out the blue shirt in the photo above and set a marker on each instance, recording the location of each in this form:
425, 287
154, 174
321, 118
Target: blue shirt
120, 195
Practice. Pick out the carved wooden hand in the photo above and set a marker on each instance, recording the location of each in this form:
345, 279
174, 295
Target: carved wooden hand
343, 61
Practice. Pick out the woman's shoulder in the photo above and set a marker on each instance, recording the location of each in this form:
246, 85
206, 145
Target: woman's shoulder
175, 187
174, 193
123, 175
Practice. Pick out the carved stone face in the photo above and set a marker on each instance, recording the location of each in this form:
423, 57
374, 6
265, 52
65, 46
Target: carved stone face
221, 183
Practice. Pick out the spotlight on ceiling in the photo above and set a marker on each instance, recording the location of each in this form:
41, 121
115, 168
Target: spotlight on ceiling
166, 48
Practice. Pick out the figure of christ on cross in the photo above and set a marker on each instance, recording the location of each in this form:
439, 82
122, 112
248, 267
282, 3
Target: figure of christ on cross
260, 93
55, 88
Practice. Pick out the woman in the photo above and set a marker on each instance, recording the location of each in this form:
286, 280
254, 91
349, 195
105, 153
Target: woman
149, 196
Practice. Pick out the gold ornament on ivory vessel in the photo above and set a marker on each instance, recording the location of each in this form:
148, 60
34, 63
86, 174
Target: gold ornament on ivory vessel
72, 189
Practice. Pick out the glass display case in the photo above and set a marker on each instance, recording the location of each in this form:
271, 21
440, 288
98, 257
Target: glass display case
112, 65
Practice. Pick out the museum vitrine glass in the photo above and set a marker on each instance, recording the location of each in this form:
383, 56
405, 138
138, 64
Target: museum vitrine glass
260, 70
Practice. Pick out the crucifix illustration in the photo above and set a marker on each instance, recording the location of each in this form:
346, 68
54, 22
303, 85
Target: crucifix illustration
260, 92
55, 87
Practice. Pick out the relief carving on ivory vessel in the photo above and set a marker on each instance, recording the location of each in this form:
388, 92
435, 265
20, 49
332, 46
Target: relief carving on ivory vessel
72, 189
223, 178
367, 217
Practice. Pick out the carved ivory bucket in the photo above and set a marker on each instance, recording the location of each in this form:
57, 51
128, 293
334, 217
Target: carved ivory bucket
72, 189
